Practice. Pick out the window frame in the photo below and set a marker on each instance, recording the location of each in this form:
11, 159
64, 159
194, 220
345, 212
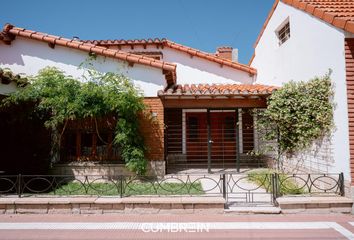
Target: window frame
283, 32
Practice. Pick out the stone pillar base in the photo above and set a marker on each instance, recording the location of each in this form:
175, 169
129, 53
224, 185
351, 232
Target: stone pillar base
156, 168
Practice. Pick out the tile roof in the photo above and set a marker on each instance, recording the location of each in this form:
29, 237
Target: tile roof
10, 32
218, 90
179, 47
339, 13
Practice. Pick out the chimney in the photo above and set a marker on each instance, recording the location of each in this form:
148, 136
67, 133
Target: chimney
228, 53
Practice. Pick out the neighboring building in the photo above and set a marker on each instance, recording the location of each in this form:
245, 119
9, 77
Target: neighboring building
196, 98
302, 39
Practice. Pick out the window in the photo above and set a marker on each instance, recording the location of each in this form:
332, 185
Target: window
284, 32
84, 140
229, 129
193, 126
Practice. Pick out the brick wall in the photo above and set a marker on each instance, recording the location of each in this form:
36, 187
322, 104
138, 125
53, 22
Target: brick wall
152, 129
349, 60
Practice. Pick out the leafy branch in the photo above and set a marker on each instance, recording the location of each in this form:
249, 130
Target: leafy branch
64, 98
298, 113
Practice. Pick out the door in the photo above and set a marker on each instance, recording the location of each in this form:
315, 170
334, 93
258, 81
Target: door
223, 136
196, 137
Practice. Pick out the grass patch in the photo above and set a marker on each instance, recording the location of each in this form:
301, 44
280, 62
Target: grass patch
132, 188
262, 177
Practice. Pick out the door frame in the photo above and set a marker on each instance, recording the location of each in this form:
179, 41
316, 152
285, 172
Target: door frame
238, 117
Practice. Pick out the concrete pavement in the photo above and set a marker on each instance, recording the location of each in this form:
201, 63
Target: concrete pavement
174, 226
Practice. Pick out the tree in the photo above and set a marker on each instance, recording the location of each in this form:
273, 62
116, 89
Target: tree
59, 98
297, 114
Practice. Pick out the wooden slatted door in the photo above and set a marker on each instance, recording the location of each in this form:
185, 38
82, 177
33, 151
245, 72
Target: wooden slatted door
223, 136
222, 133
196, 137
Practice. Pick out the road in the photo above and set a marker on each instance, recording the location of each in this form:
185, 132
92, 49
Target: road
174, 226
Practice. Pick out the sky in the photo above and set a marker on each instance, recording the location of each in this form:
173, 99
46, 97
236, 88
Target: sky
201, 24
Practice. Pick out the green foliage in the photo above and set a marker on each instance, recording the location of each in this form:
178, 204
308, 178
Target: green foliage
298, 113
64, 98
133, 188
262, 177
7, 76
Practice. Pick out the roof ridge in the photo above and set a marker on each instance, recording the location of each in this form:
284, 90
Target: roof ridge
198, 89
10, 32
126, 41
211, 57
178, 47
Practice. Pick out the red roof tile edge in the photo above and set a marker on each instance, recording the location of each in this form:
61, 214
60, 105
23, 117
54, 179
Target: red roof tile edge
327, 16
178, 47
217, 90
263, 29
9, 32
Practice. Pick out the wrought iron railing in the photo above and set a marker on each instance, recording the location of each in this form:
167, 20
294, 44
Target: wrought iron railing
234, 187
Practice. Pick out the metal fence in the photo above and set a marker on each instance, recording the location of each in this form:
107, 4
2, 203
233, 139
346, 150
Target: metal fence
213, 138
236, 188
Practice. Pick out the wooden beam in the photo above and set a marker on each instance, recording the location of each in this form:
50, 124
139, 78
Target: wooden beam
215, 103
51, 45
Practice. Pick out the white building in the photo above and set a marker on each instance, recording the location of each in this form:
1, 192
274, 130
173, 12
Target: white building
180, 85
301, 40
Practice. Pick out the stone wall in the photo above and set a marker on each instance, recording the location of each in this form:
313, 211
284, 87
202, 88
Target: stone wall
111, 205
318, 158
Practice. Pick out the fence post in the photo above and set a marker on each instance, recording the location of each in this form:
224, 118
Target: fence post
275, 187
19, 185
224, 186
341, 184
121, 186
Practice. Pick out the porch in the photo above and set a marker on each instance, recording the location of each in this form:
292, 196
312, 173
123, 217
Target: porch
212, 126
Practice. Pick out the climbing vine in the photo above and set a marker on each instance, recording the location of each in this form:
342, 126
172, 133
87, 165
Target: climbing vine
299, 113
60, 98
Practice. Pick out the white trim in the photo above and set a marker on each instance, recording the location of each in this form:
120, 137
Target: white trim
222, 110
194, 110
240, 131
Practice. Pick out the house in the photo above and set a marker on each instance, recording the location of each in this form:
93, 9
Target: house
302, 39
195, 98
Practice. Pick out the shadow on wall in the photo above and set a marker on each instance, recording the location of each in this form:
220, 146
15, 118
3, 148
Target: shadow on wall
24, 142
317, 158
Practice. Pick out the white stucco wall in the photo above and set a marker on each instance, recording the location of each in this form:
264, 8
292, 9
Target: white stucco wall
29, 56
195, 70
313, 48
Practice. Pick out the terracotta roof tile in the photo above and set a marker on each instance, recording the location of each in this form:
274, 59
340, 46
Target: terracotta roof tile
217, 90
179, 47
10, 32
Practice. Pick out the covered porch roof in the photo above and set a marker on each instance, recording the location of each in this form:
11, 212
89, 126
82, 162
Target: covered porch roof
216, 95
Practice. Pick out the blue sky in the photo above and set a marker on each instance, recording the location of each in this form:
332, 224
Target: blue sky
202, 24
